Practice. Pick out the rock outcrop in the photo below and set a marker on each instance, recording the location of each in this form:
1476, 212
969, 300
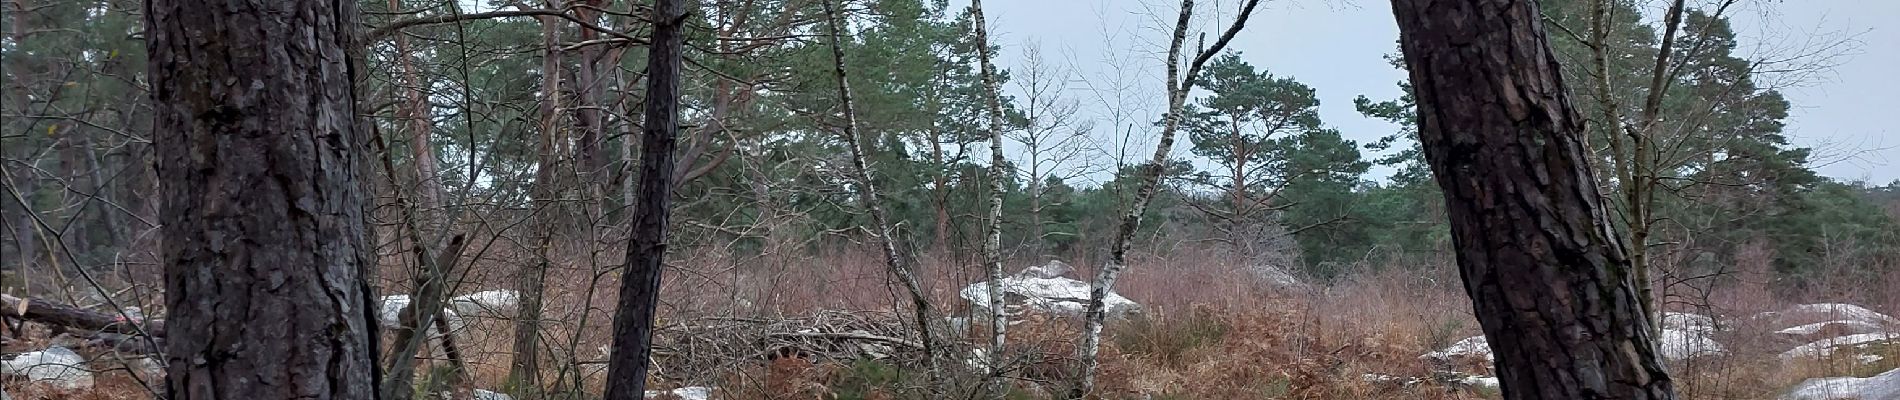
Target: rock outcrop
55, 366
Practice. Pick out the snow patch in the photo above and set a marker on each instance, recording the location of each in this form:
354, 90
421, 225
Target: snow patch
1680, 344
1480, 381
56, 366
1826, 347
483, 394
1688, 322
390, 313
685, 393
1836, 311
1057, 295
488, 303
1851, 326
1474, 346
1048, 270
1885, 386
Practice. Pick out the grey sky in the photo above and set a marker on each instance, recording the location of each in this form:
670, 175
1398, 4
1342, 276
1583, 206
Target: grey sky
1338, 48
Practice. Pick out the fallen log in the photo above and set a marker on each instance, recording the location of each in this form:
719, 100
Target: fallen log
51, 313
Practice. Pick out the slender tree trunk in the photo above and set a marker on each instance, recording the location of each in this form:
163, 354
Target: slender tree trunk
524, 375
111, 224
414, 113
423, 311
1237, 193
940, 180
587, 89
940, 192
25, 238
873, 202
1548, 277
1178, 85
993, 242
1642, 192
1035, 212
646, 246
1631, 154
258, 153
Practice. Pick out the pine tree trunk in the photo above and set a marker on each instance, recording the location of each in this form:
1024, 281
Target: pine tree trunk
415, 112
588, 88
524, 374
940, 192
646, 245
1549, 280
258, 151
993, 241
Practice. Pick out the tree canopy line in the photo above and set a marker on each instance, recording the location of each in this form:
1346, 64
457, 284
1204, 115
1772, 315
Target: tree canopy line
395, 135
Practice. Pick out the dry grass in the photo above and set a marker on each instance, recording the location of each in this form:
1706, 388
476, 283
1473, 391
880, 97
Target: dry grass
1210, 331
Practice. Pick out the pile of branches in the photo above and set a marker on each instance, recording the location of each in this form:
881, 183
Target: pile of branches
703, 347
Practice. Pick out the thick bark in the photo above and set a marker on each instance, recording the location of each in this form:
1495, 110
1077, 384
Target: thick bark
1548, 277
1178, 85
258, 151
646, 245
874, 202
993, 241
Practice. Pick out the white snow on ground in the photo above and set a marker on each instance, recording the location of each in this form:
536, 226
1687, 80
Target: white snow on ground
1679, 344
1688, 321
483, 394
1885, 386
390, 313
1483, 381
1836, 311
1687, 342
1055, 295
685, 393
1825, 347
488, 303
1852, 327
1474, 346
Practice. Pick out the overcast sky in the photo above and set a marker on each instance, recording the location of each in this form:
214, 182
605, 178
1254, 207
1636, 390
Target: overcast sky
1337, 47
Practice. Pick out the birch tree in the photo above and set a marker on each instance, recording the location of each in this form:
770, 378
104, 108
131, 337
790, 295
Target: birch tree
874, 203
1178, 87
999, 168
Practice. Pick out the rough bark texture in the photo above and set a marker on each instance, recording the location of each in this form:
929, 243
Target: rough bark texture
993, 241
873, 201
646, 246
1548, 278
258, 151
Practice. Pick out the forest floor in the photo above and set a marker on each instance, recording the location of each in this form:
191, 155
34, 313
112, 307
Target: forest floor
1208, 331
